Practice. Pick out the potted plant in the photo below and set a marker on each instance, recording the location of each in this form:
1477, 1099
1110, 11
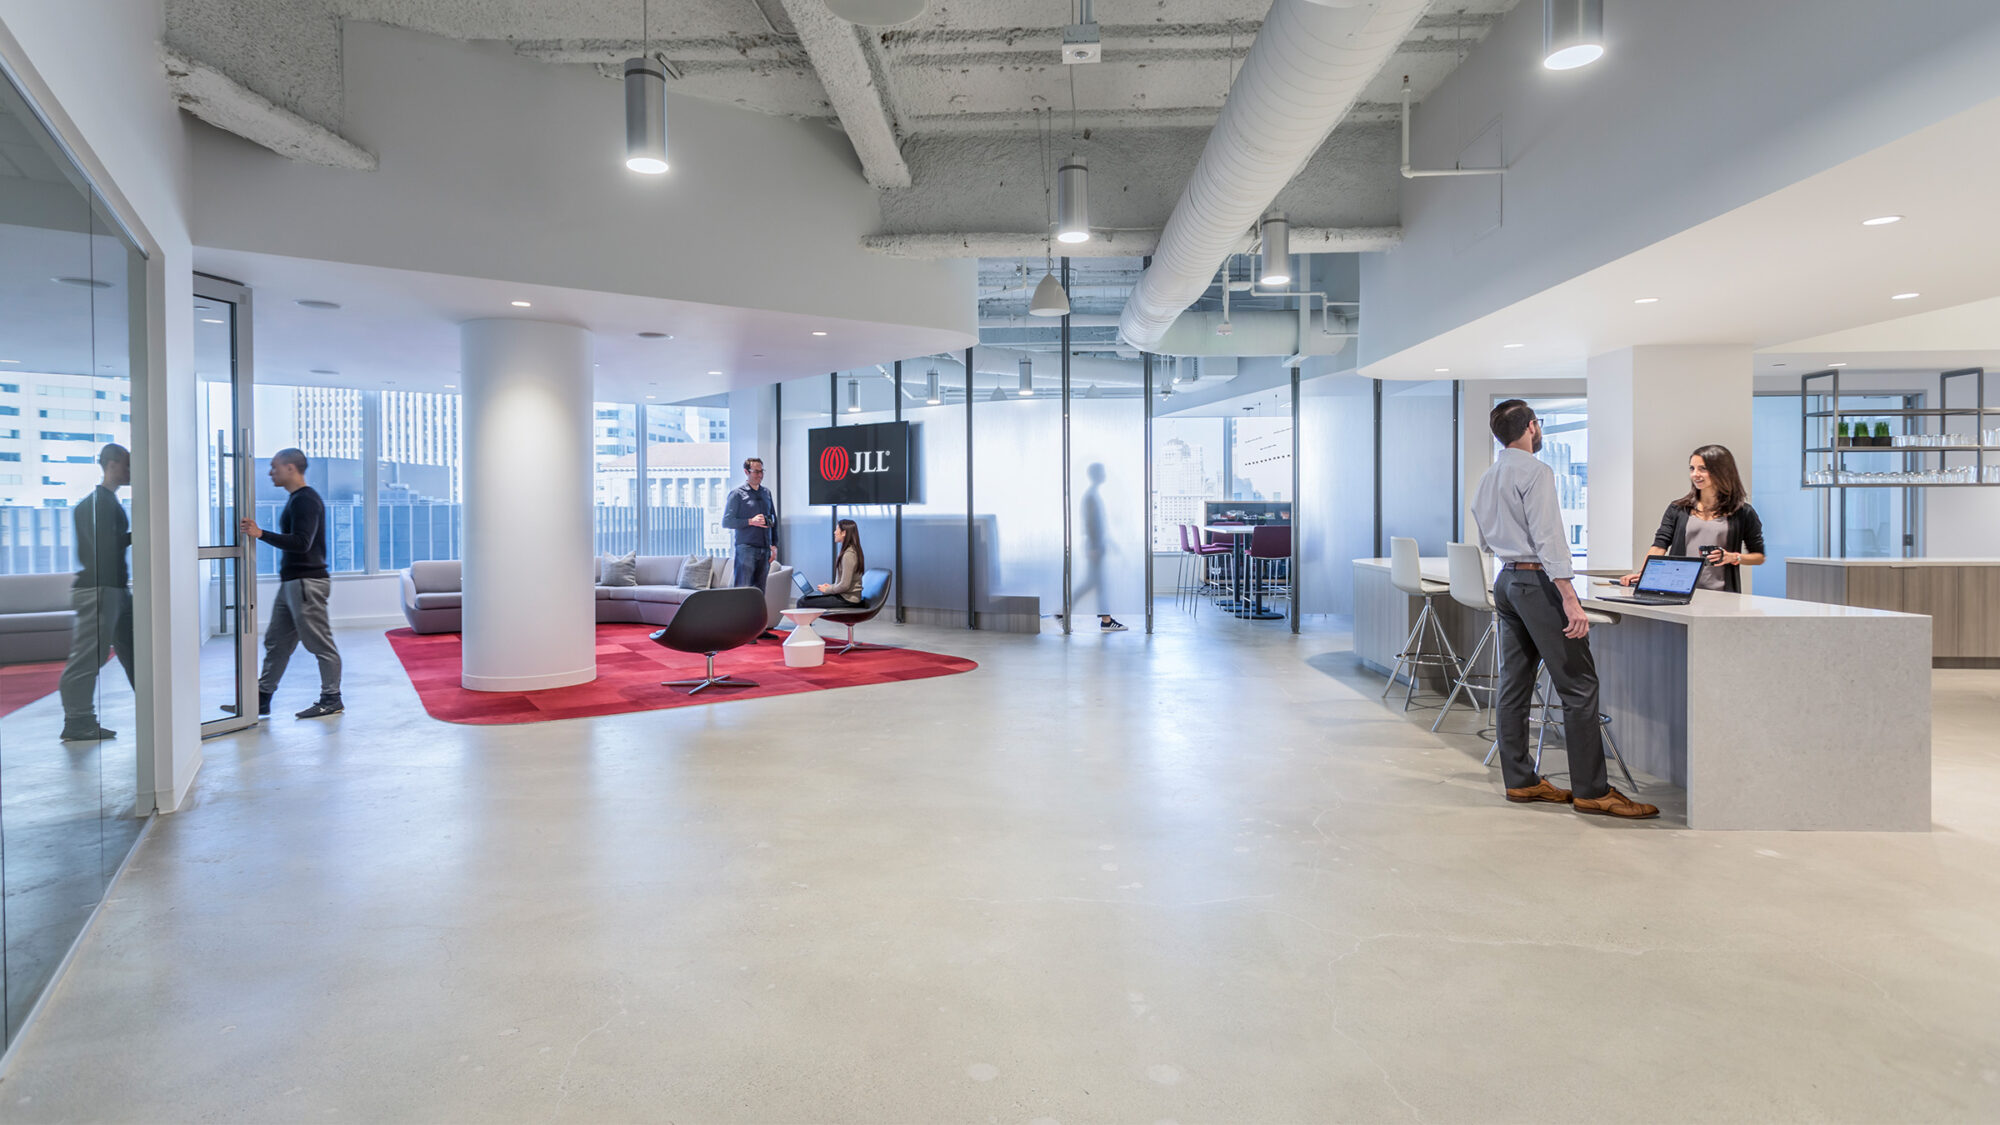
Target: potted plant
1882, 433
1843, 438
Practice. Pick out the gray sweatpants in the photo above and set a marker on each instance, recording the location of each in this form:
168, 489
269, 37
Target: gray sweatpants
299, 615
103, 626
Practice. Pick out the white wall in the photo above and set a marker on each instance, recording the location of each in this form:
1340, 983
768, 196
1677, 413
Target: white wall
1698, 107
94, 67
497, 166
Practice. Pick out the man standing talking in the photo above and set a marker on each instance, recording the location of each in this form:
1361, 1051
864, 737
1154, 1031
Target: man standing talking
1541, 621
299, 614
101, 596
753, 516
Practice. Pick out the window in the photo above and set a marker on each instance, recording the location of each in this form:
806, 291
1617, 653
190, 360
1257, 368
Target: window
688, 480
615, 483
1187, 473
11, 411
1260, 458
10, 388
419, 498
1566, 449
56, 435
10, 457
325, 423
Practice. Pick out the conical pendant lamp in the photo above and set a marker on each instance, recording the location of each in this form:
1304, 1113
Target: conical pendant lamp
1050, 299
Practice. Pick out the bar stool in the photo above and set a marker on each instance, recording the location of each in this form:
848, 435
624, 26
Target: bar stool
1472, 587
1406, 574
1270, 544
1543, 712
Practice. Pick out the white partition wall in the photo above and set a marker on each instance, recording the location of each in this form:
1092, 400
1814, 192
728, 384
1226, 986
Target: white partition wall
530, 613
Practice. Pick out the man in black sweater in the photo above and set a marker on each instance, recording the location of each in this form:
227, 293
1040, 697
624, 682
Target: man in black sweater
303, 585
102, 597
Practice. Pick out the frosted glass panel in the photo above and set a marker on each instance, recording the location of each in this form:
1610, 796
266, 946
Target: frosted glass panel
934, 550
1417, 441
1336, 509
803, 531
1790, 512
1108, 494
1017, 464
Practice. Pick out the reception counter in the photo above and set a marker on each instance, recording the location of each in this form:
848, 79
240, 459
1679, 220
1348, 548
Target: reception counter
1771, 713
1960, 596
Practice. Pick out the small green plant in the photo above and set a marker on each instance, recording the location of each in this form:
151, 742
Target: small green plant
1843, 435
1881, 433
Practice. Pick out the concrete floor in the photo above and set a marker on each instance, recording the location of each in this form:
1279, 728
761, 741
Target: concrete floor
1199, 876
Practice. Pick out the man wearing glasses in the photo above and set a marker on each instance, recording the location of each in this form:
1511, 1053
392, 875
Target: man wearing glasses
753, 516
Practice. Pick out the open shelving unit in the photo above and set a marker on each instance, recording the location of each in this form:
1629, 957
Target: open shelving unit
1974, 463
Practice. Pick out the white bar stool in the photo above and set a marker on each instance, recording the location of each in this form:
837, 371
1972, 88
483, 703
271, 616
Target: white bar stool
1406, 574
1472, 587
1545, 710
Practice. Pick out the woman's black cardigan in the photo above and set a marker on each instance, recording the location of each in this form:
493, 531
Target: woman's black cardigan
1746, 536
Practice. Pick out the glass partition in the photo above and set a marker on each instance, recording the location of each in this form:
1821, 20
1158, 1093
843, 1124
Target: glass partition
71, 337
1417, 439
1336, 482
933, 576
1017, 478
327, 424
804, 531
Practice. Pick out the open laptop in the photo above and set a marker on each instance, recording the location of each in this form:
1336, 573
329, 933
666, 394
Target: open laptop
1666, 580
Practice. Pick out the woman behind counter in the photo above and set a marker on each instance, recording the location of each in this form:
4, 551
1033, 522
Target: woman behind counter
844, 592
1714, 521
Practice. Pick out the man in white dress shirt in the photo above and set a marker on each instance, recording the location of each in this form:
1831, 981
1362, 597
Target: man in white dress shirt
1541, 622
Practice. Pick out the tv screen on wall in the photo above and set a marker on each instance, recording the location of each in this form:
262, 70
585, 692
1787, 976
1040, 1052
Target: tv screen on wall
859, 464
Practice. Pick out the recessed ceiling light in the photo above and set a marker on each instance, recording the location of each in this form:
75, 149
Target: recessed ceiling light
654, 336
388, 382
1441, 370
451, 386
1645, 300
1780, 365
82, 282
1513, 345
210, 320
1842, 363
1881, 220
1906, 296
817, 333
9, 361
324, 371
652, 396
521, 304
715, 373
316, 304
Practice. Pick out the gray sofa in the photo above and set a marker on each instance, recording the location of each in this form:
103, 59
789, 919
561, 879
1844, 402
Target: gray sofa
433, 602
36, 618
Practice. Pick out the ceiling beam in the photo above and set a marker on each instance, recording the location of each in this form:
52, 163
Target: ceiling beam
1111, 244
232, 107
859, 94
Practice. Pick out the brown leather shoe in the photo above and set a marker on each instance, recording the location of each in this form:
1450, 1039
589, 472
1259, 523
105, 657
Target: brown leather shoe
1614, 803
1541, 790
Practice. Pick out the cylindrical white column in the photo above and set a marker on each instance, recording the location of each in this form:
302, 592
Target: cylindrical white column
530, 619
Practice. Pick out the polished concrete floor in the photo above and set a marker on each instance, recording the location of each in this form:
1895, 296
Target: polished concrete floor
1202, 876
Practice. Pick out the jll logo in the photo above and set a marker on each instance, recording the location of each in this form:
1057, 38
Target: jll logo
835, 462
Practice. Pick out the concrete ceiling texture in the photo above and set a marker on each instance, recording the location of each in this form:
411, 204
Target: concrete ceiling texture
956, 117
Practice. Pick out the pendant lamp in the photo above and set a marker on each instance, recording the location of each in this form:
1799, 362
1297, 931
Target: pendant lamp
931, 396
1572, 33
854, 396
1050, 299
1073, 202
1027, 377
1276, 267
645, 107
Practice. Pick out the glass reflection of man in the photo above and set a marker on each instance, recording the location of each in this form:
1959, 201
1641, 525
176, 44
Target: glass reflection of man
102, 597
1094, 546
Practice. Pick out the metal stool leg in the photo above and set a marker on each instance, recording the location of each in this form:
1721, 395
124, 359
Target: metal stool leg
1604, 722
1471, 691
1409, 646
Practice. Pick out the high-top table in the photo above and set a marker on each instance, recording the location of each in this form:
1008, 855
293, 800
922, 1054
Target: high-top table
1770, 713
1239, 540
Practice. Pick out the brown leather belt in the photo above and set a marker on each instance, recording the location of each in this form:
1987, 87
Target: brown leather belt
1522, 566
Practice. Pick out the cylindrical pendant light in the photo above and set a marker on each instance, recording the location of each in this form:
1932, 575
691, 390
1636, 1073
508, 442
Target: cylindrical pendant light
1049, 299
1073, 202
645, 117
1572, 33
931, 396
854, 396
1027, 377
1276, 267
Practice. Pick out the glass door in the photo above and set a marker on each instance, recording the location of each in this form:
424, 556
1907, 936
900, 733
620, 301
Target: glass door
228, 574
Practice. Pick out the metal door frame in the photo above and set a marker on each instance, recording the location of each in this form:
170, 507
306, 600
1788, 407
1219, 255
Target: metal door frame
240, 547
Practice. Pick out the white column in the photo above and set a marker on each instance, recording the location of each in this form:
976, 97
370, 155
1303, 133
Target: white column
530, 617
1651, 407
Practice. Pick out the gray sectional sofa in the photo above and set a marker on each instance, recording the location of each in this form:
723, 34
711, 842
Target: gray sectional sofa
36, 618
433, 602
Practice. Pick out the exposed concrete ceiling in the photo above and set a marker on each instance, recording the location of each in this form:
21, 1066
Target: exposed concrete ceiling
955, 116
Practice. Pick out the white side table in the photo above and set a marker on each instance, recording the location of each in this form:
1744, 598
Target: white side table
804, 648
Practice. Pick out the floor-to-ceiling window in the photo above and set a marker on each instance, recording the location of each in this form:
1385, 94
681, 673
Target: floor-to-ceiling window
327, 424
419, 487
72, 336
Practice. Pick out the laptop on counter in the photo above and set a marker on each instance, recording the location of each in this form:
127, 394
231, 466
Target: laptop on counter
1666, 580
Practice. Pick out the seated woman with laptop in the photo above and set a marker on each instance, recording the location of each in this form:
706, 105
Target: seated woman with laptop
1714, 522
844, 592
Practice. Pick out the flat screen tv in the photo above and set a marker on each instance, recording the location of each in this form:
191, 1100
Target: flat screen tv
859, 464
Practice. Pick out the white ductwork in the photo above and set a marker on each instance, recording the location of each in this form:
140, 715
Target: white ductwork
1253, 332
1308, 65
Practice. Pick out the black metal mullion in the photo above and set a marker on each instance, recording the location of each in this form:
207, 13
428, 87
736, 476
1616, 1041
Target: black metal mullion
1068, 530
899, 507
971, 610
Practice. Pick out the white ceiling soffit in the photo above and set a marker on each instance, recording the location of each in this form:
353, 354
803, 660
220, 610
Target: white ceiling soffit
400, 328
945, 112
1794, 275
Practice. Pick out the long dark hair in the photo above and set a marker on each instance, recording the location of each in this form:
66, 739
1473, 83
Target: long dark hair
1729, 493
850, 540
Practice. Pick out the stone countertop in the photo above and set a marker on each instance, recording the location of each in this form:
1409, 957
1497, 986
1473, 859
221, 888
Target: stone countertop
1707, 604
1918, 562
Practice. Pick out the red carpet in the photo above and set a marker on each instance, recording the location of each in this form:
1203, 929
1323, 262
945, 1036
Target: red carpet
22, 684
630, 668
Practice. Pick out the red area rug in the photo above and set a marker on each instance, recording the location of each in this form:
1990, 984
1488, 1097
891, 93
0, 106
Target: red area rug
22, 684
629, 670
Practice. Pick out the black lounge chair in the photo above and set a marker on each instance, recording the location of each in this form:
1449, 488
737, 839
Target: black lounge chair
712, 621
874, 595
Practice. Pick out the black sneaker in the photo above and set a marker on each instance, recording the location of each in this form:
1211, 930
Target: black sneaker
322, 709
1111, 626
91, 733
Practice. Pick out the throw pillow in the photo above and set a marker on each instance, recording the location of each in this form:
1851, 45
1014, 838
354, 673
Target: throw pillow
619, 570
695, 572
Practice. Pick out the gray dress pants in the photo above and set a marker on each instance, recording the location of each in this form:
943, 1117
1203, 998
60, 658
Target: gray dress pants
1531, 634
299, 616
103, 626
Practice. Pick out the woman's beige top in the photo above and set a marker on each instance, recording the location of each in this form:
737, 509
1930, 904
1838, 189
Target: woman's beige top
848, 582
